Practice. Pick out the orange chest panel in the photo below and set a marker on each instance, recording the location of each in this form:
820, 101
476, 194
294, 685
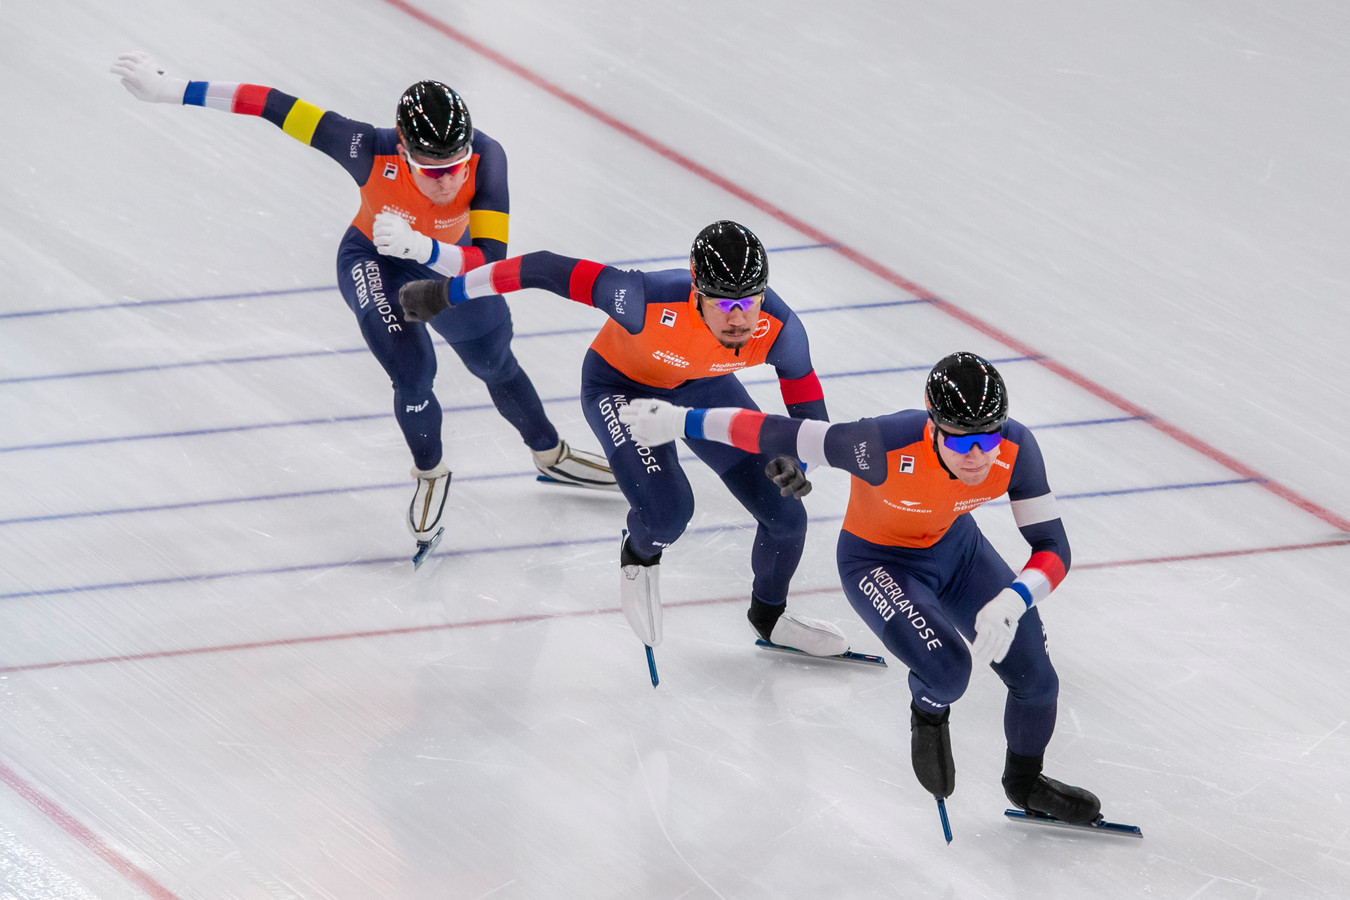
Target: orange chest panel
390, 188
919, 501
675, 346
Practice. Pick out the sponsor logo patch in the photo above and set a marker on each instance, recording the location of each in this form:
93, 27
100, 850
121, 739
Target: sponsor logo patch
671, 359
390, 171
668, 318
906, 465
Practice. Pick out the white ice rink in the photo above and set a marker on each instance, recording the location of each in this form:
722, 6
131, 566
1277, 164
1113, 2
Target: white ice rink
221, 678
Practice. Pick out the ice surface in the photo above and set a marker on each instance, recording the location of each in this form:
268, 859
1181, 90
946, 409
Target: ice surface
220, 676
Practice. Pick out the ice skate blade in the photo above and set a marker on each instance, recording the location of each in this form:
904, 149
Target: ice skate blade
545, 479
846, 656
1100, 825
424, 548
651, 665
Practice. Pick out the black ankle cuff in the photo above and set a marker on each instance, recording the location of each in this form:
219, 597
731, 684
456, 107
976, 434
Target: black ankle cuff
628, 558
763, 616
1019, 774
924, 717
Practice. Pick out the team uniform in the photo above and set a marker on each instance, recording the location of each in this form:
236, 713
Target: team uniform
913, 562
471, 230
655, 344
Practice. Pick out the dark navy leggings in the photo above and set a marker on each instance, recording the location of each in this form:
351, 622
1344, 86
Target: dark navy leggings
661, 501
920, 602
479, 332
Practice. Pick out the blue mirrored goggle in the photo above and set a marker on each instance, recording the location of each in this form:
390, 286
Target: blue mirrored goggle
964, 443
727, 304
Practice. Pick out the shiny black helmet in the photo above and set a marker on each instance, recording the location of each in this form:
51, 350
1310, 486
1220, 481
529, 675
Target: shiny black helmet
729, 261
965, 393
433, 121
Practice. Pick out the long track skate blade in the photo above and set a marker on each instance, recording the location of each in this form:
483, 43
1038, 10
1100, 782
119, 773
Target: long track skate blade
651, 666
544, 479
846, 656
1101, 825
424, 548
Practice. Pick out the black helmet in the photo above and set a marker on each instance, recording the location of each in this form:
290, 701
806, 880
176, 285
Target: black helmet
729, 261
433, 121
966, 393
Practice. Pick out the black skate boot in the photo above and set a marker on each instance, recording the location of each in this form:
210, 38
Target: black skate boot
930, 749
1028, 789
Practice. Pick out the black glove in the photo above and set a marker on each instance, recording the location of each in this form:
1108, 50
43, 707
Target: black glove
423, 300
789, 477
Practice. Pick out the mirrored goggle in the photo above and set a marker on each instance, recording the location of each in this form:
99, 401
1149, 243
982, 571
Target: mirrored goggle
963, 443
440, 170
727, 304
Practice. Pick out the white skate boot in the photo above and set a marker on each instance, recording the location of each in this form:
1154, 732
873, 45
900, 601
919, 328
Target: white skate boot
639, 593
424, 513
577, 468
815, 637
812, 636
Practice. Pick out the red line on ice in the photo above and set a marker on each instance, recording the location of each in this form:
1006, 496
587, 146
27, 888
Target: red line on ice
1338, 522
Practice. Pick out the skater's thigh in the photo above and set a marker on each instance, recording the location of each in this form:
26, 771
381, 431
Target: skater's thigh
369, 285
650, 477
488, 356
897, 601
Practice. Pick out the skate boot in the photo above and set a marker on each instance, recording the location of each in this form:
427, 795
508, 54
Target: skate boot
930, 750
424, 513
777, 626
639, 594
577, 468
1028, 789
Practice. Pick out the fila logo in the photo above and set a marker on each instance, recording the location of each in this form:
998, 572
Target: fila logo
906, 465
390, 171
668, 318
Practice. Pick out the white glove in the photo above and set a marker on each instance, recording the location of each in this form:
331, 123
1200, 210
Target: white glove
653, 422
147, 80
995, 625
395, 237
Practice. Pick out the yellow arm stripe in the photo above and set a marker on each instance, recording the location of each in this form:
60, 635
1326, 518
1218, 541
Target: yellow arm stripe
302, 120
488, 223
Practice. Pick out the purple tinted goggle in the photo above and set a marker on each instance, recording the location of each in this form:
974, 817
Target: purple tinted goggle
727, 304
964, 443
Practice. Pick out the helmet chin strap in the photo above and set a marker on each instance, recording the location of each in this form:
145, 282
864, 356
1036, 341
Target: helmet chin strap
938, 453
